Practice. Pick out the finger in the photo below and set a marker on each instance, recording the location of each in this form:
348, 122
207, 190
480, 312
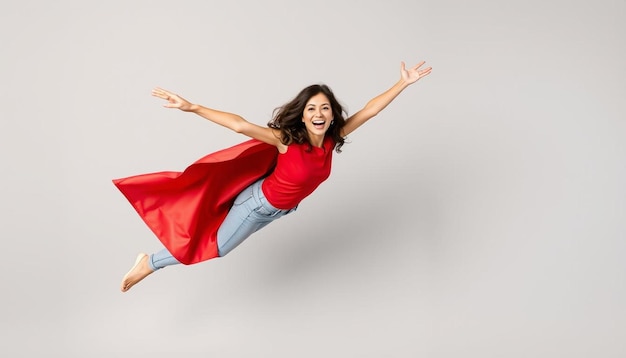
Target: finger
171, 105
425, 72
402, 66
161, 93
419, 65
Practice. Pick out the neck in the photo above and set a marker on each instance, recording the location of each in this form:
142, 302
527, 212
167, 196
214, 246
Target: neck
316, 141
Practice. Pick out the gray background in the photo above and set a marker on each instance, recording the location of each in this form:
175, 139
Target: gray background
480, 215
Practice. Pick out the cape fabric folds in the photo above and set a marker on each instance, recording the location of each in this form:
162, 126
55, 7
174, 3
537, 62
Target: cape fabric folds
185, 209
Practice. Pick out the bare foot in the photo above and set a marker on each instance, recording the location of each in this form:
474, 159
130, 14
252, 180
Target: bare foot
138, 272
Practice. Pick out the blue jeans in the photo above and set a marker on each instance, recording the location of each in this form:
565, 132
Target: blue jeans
250, 212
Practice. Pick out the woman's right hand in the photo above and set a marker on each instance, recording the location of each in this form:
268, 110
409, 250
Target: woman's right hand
173, 100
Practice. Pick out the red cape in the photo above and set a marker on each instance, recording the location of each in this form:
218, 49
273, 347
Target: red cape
185, 209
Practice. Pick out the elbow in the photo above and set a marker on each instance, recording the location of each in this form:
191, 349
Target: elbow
238, 125
372, 108
371, 111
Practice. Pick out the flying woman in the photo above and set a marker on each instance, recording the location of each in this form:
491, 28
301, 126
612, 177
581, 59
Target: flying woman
223, 198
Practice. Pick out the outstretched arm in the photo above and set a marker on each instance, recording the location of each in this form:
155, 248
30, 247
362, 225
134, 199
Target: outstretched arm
229, 120
378, 103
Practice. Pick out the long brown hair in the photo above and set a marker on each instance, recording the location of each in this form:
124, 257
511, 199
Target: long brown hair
288, 118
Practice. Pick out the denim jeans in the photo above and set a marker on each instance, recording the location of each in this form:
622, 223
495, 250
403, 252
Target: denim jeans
250, 212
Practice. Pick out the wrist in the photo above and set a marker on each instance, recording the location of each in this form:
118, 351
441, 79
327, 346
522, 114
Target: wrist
403, 83
192, 108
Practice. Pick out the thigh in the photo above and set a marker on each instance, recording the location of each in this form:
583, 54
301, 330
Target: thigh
244, 218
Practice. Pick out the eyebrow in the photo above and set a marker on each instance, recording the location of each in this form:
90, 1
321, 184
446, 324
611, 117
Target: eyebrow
313, 104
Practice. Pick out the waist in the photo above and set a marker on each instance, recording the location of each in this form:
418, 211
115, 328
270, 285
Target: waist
256, 191
284, 197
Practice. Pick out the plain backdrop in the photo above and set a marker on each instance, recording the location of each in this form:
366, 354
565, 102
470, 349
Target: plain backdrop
480, 215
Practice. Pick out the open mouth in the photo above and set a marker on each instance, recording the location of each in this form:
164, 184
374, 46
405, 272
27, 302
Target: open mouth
318, 124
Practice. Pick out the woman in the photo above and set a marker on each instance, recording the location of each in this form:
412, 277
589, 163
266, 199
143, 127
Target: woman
258, 181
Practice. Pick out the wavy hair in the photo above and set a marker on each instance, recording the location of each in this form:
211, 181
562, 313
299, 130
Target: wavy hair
288, 118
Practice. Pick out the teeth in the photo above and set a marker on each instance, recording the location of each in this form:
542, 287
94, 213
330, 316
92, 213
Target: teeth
318, 122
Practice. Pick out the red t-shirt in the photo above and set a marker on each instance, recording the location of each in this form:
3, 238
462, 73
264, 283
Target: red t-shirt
298, 173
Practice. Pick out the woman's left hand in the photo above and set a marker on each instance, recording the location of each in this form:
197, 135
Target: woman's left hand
411, 75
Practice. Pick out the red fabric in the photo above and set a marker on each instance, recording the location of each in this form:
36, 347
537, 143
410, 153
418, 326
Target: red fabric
185, 209
298, 173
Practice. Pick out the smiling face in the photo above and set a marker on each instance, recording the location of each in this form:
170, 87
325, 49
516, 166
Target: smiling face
316, 117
